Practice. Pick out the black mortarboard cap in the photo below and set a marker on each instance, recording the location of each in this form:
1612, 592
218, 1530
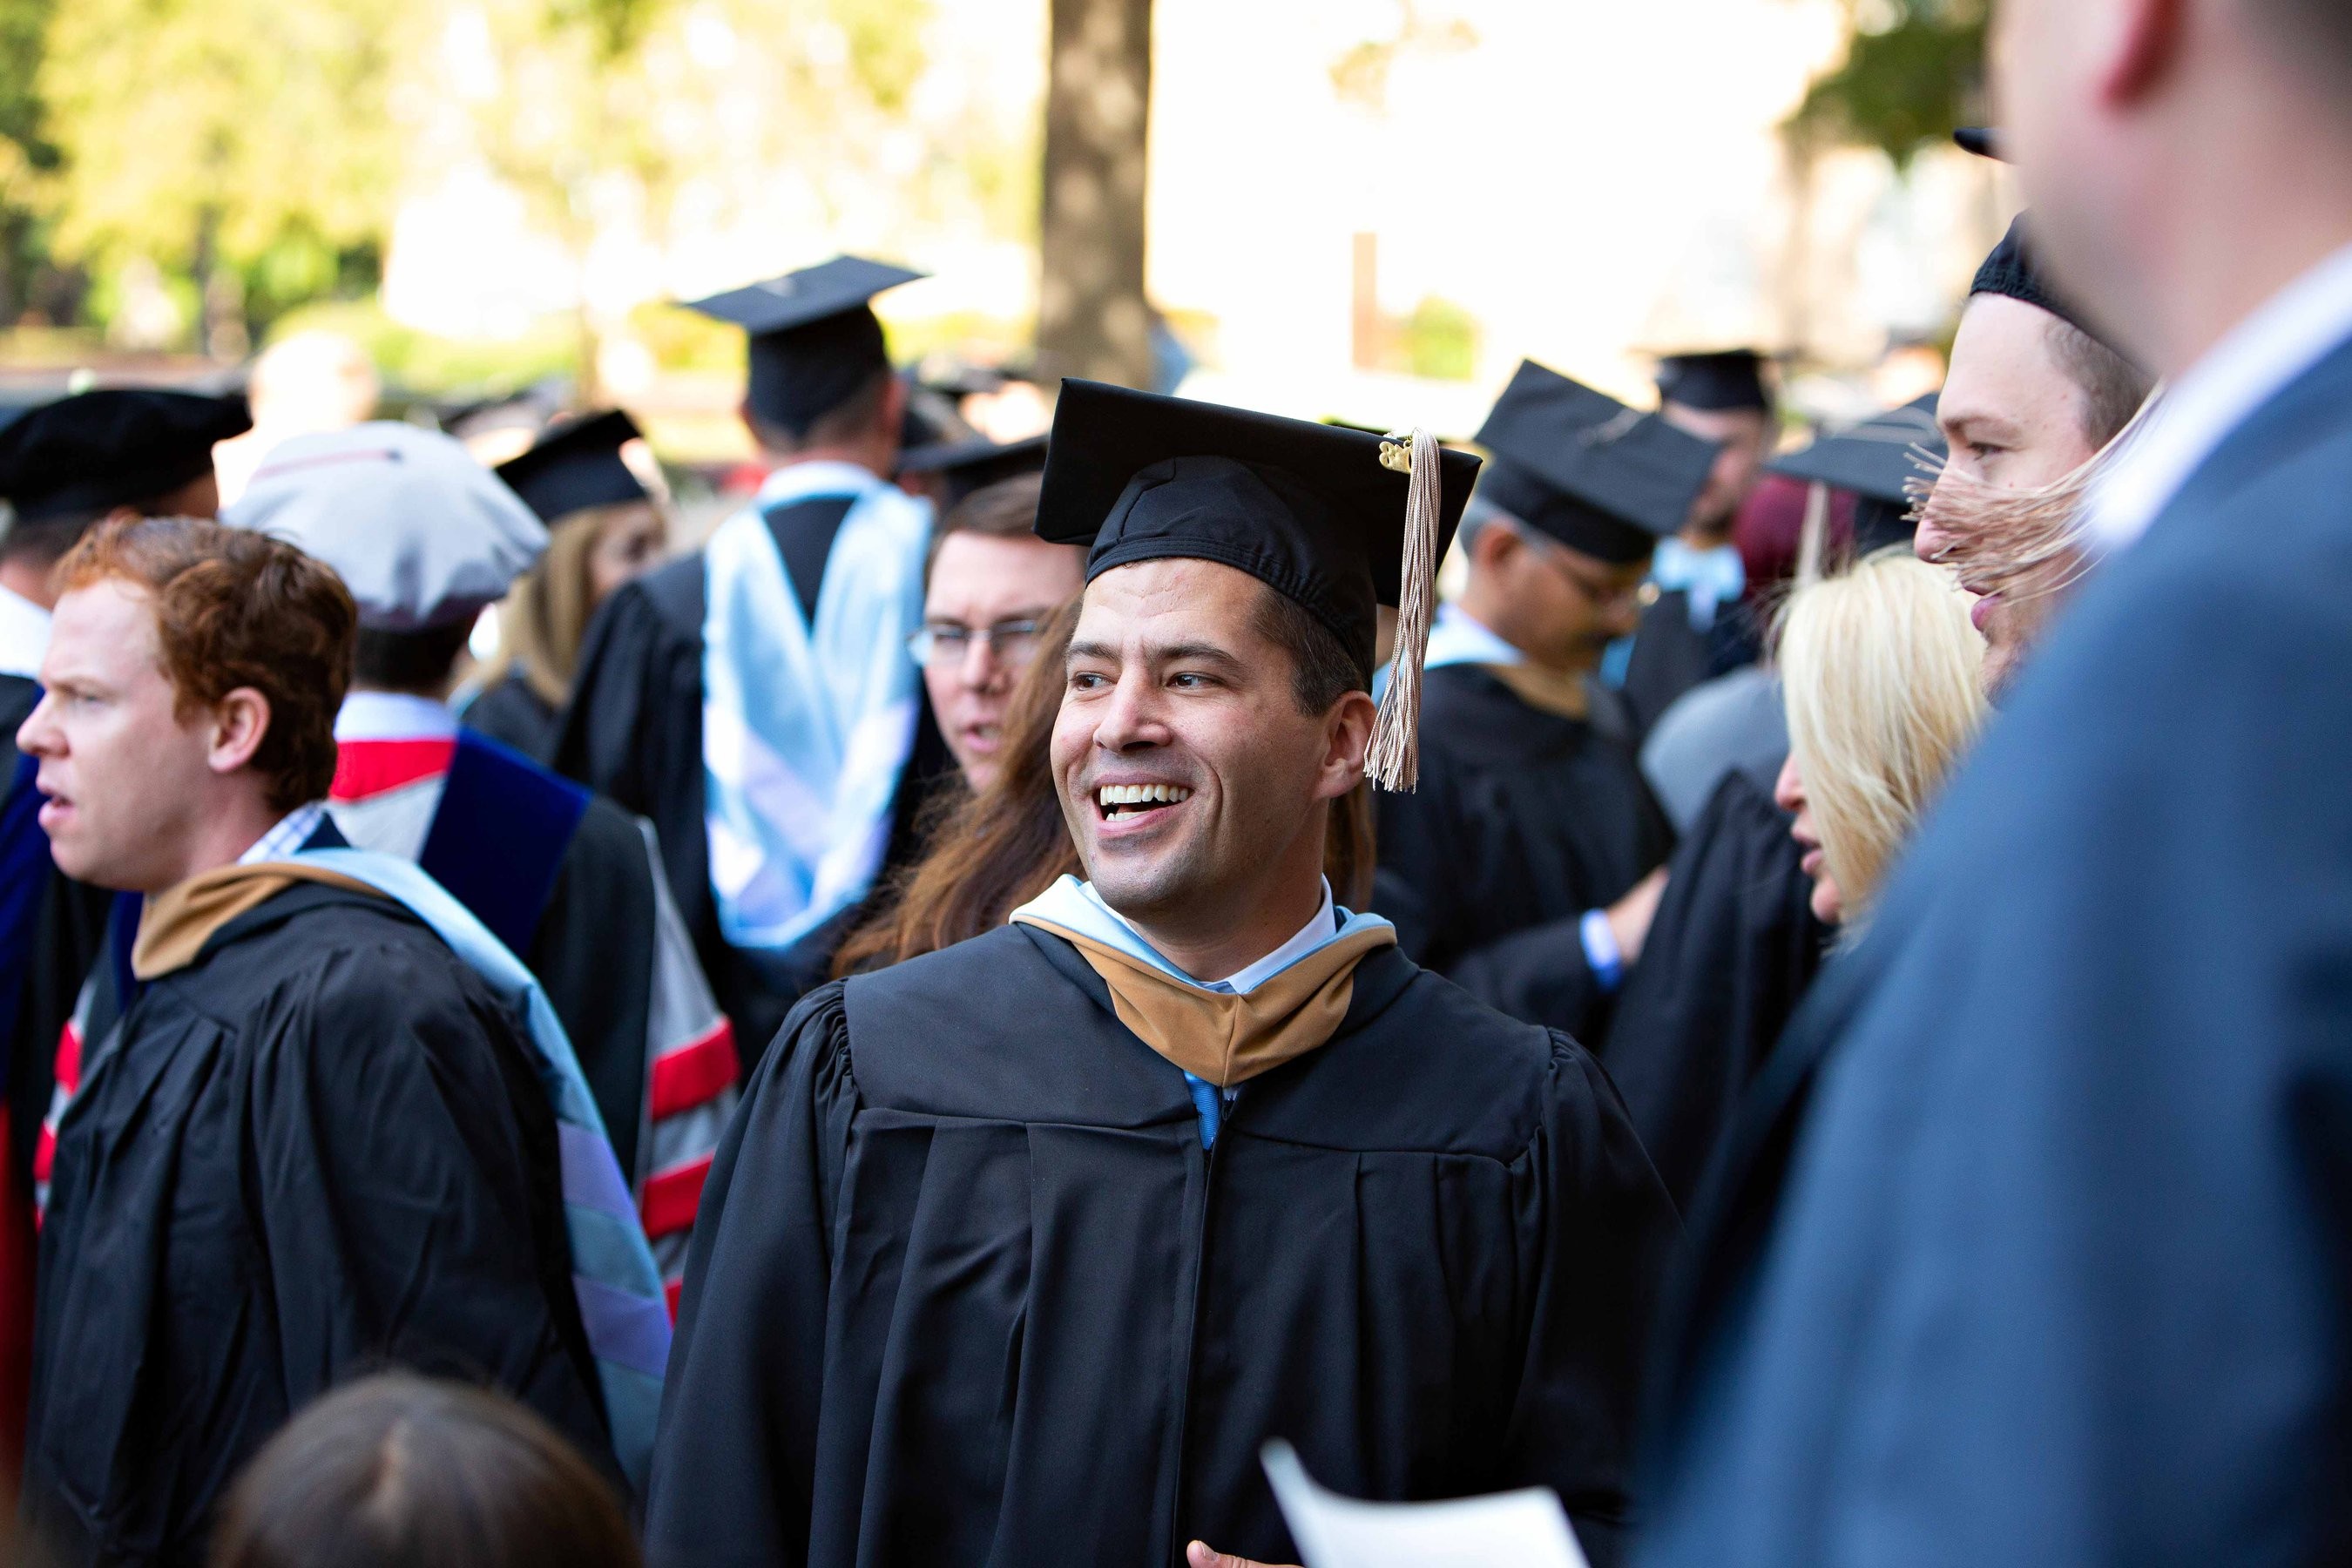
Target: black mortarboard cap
115, 447
1717, 383
1600, 477
814, 340
576, 464
964, 467
1981, 140
1308, 510
2012, 272
1875, 459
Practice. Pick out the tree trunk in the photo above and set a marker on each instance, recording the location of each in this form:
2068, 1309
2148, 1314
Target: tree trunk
1092, 318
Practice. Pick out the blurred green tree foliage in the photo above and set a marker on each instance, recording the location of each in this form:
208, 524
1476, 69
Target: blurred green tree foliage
1914, 73
214, 136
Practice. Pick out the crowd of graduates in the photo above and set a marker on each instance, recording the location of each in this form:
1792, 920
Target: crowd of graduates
1803, 1003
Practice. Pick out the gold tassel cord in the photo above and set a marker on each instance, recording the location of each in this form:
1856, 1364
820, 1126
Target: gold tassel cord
1393, 759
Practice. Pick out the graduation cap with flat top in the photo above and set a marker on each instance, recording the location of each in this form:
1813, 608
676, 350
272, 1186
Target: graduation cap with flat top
814, 339
1337, 521
574, 466
1602, 478
1715, 381
114, 446
964, 466
1875, 459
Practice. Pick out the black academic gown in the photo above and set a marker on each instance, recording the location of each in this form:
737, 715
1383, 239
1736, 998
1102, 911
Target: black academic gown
1670, 656
508, 711
1730, 952
320, 1150
1523, 821
966, 1288
633, 734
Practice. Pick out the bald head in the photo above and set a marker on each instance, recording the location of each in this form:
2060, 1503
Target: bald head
2186, 159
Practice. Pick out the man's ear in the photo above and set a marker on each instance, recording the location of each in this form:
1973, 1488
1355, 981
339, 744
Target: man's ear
1494, 545
240, 722
892, 413
1348, 735
2143, 45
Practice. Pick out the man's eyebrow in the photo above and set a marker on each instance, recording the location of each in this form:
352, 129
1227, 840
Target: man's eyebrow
1177, 653
1980, 423
1093, 650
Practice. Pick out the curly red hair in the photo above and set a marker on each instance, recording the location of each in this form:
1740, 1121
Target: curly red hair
237, 609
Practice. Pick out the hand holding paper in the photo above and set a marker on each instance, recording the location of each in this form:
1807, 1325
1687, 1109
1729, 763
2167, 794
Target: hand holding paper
1510, 1529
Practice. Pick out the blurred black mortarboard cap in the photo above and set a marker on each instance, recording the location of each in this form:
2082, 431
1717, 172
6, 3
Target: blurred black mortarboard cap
1311, 510
576, 464
1602, 478
964, 467
1981, 140
1717, 381
1874, 459
116, 446
814, 339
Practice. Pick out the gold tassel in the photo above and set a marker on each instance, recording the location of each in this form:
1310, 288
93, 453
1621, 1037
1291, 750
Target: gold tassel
1393, 759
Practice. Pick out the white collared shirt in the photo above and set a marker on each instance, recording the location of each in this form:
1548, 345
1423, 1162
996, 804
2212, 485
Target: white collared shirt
292, 831
24, 635
2261, 356
1075, 906
393, 715
1319, 929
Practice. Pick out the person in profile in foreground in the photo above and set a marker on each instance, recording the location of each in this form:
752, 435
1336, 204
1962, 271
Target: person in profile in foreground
1019, 1250
321, 1138
2058, 1270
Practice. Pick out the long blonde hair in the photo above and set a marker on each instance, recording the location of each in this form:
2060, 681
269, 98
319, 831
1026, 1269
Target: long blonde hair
1881, 668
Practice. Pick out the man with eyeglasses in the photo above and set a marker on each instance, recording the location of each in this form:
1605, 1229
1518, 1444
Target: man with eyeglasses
1523, 865
990, 586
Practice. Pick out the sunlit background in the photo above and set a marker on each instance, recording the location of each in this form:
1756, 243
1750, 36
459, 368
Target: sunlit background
1364, 209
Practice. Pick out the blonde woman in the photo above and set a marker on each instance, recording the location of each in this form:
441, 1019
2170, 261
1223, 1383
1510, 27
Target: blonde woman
1882, 671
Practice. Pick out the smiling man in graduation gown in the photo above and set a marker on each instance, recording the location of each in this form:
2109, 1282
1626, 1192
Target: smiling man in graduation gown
423, 536
322, 1138
1019, 1251
1532, 817
756, 700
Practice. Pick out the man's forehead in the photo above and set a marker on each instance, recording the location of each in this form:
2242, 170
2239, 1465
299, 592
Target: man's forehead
1169, 602
112, 621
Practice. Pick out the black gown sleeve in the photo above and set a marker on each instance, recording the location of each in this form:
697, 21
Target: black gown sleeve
736, 1455
1730, 954
1540, 975
1603, 1237
404, 1193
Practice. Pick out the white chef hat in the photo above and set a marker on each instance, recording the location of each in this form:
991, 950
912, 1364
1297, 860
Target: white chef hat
422, 534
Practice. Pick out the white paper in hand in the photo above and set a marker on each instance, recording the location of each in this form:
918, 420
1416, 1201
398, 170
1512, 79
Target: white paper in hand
1510, 1529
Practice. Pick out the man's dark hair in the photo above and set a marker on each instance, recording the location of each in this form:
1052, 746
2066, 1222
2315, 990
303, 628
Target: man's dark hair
1007, 509
234, 609
414, 662
396, 1469
43, 543
844, 421
2113, 387
1322, 670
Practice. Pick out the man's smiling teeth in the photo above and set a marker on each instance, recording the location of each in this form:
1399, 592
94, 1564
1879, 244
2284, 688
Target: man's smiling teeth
1112, 796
